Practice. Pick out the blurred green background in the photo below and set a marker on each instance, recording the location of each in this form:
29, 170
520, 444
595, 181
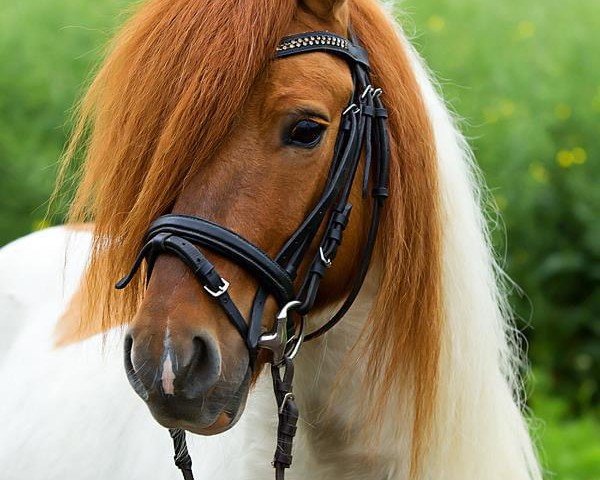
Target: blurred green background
525, 79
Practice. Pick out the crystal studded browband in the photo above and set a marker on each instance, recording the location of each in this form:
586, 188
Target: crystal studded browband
321, 41
310, 39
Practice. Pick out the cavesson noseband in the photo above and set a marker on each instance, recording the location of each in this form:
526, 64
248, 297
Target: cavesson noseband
363, 128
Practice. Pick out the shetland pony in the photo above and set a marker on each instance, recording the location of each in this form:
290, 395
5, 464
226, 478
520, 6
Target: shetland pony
187, 114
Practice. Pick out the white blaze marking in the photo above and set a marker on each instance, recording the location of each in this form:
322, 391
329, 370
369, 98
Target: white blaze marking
168, 376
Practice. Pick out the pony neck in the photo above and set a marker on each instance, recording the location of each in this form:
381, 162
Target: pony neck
329, 388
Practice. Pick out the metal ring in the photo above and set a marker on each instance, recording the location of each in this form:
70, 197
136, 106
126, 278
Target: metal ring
351, 108
283, 313
276, 340
298, 339
377, 92
366, 91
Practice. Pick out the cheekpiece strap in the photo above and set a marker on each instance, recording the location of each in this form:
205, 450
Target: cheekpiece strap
324, 42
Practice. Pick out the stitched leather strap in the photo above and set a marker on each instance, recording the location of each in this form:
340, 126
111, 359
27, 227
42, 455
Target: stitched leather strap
205, 272
322, 41
283, 378
230, 245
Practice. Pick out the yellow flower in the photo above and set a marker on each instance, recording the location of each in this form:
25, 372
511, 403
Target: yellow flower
562, 111
525, 29
579, 155
490, 115
436, 23
538, 172
507, 108
568, 158
565, 158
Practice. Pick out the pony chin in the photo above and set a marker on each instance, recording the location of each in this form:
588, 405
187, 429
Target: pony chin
195, 417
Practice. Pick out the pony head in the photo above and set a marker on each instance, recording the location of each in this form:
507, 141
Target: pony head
191, 114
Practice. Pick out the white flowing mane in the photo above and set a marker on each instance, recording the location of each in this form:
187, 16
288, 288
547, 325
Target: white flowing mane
480, 402
69, 412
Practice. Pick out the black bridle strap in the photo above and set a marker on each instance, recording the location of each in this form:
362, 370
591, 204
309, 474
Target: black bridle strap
283, 377
230, 245
205, 272
332, 237
182, 458
294, 250
358, 279
379, 193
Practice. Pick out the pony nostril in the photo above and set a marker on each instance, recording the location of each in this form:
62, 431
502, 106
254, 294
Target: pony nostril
204, 368
169, 375
132, 376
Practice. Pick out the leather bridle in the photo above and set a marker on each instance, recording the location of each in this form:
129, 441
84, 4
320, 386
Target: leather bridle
363, 128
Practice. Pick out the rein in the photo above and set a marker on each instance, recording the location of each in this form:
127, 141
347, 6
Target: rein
363, 128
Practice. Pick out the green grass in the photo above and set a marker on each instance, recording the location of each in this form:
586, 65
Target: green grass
569, 447
48, 49
524, 76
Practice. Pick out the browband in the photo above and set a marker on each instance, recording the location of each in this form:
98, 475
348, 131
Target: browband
322, 42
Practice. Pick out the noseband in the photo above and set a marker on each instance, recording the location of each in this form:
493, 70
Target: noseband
363, 128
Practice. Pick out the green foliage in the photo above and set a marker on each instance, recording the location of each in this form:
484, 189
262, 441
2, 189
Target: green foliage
48, 49
525, 79
569, 447
523, 75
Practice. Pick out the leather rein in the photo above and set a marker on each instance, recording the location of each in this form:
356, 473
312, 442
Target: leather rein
363, 128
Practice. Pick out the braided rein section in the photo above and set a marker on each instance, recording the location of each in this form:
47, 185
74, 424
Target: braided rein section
182, 457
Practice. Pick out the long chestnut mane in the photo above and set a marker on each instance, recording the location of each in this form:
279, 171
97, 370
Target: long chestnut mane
168, 93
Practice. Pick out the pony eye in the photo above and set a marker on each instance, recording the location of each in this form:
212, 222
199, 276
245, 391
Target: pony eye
305, 134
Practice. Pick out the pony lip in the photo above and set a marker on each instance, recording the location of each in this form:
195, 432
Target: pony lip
200, 416
223, 421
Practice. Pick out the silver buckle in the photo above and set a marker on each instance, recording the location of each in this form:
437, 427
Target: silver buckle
288, 396
222, 289
326, 261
